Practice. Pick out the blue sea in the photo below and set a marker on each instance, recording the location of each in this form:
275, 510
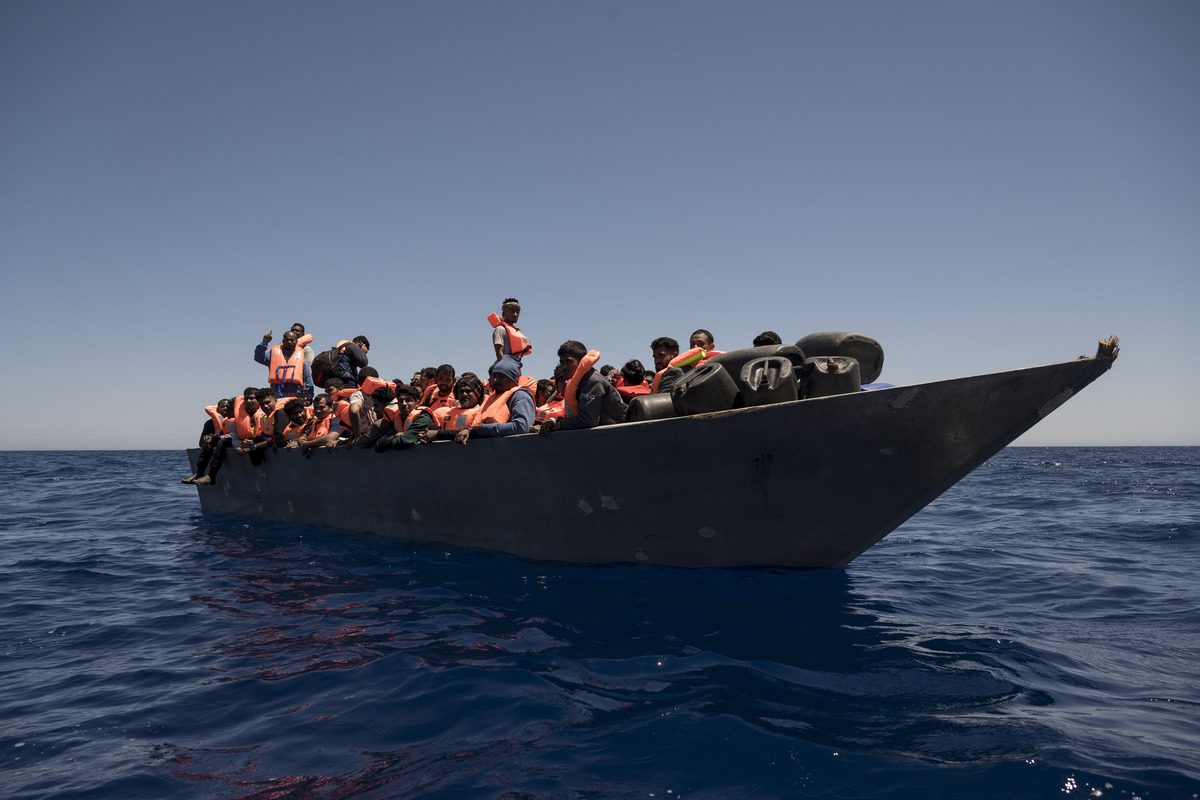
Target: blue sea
1034, 633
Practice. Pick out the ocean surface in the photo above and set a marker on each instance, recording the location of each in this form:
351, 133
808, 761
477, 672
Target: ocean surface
1035, 633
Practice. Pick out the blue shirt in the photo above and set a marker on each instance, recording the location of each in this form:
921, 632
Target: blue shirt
521, 414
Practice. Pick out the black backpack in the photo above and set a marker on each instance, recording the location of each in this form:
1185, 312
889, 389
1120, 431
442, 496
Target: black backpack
324, 367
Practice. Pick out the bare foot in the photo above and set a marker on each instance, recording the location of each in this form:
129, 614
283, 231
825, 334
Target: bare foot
203, 480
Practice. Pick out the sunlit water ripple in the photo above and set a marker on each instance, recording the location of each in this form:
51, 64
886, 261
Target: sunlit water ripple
1033, 633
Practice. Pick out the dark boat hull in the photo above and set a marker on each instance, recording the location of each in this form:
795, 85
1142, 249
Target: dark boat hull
811, 483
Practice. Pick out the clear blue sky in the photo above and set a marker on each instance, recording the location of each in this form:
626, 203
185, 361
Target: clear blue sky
981, 186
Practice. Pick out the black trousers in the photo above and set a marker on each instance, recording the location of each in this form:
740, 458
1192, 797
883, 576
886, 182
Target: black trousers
212, 456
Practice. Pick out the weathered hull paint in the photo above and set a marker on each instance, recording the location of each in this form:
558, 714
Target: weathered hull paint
811, 483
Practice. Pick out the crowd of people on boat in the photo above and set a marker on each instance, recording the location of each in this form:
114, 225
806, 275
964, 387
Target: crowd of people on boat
335, 398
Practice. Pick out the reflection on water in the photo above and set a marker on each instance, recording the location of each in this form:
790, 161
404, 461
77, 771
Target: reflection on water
467, 657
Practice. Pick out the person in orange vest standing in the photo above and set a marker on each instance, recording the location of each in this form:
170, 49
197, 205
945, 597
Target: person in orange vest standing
286, 367
309, 355
507, 339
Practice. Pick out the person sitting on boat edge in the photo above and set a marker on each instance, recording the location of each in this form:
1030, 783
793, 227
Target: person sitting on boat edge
260, 437
298, 414
286, 367
507, 339
381, 408
546, 401
509, 409
214, 443
274, 420
469, 391
409, 422
440, 393
247, 416
352, 406
590, 399
322, 429
555, 405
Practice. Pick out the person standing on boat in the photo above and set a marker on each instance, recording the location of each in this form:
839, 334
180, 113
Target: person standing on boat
309, 355
590, 400
287, 371
509, 409
507, 339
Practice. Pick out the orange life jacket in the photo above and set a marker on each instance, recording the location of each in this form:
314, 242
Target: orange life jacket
434, 400
552, 410
341, 410
571, 395
412, 415
221, 425
341, 404
317, 428
247, 426
371, 383
456, 418
267, 426
292, 431
286, 370
628, 392
391, 411
689, 358
495, 407
518, 343
266, 422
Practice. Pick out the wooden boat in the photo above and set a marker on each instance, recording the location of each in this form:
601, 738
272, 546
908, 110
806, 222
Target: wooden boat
808, 483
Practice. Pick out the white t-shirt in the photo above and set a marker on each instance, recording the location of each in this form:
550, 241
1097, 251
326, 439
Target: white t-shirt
500, 337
